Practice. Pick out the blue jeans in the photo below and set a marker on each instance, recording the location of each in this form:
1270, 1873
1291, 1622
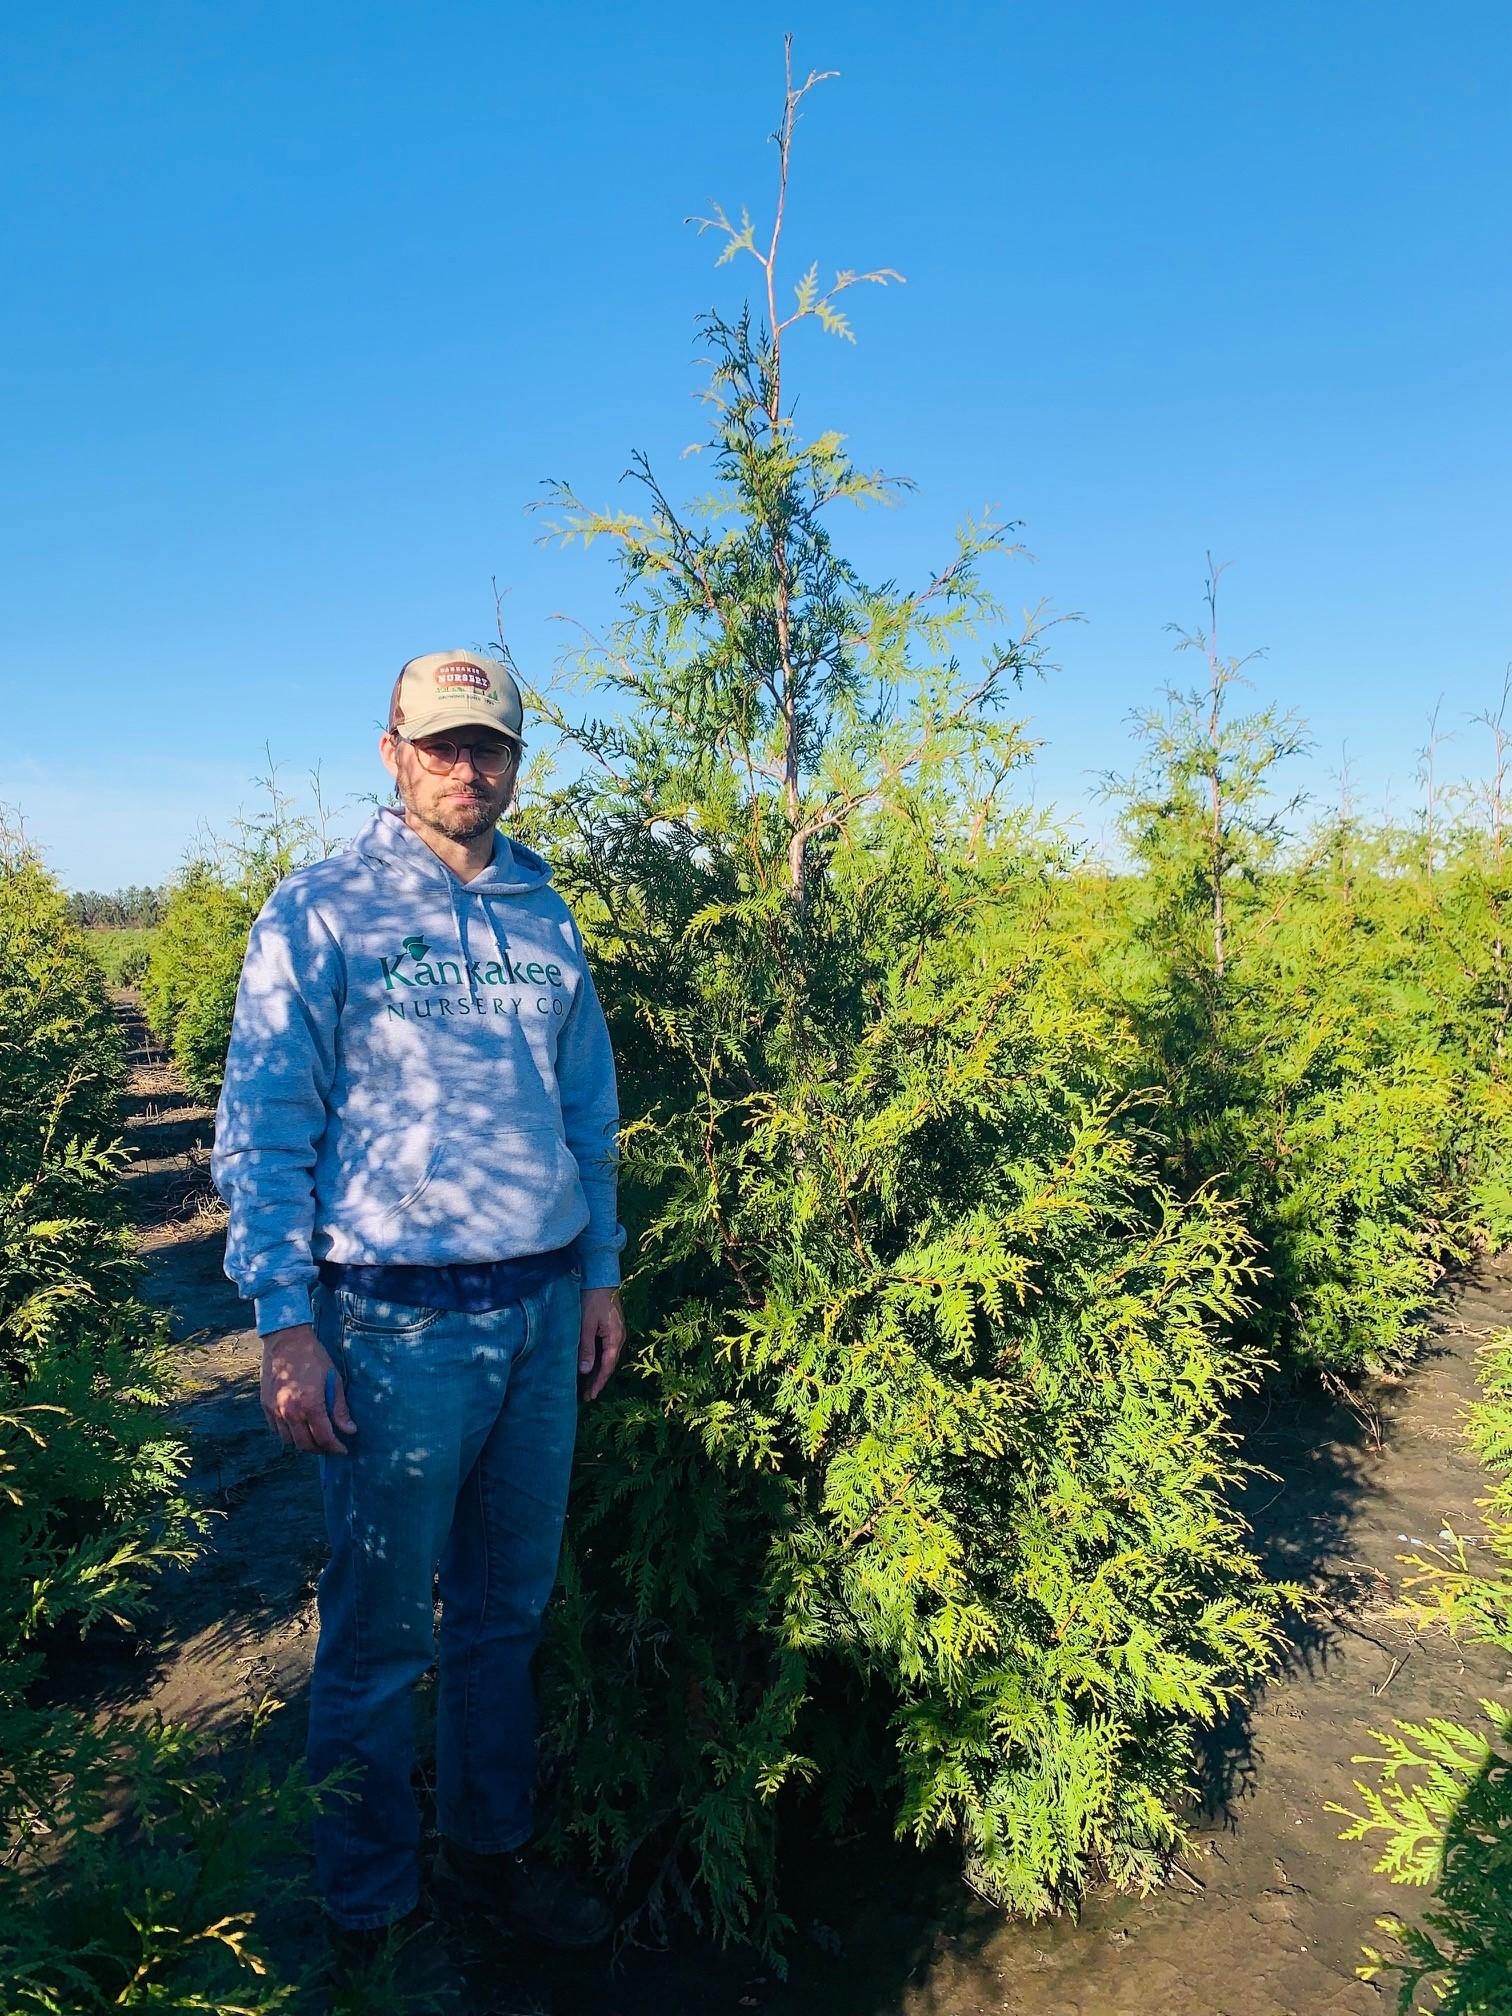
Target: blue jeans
465, 1427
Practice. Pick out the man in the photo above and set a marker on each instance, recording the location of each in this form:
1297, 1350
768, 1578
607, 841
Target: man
417, 1140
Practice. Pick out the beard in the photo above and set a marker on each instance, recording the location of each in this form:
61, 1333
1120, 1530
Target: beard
457, 818
465, 822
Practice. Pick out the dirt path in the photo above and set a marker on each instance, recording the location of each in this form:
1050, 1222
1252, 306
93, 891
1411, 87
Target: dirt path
240, 1627
1270, 1919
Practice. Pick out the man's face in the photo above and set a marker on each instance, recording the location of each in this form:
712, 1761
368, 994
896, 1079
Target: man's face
465, 801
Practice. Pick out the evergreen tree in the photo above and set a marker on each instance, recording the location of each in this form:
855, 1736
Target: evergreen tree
152, 1909
1317, 1018
914, 1490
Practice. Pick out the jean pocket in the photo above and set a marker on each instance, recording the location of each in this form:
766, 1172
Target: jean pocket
381, 1318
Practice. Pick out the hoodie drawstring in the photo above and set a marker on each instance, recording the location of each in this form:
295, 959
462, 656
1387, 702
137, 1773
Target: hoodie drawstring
459, 919
498, 937
386, 844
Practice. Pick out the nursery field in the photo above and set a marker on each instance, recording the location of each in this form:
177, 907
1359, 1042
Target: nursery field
1266, 1910
1069, 1399
1053, 1281
1187, 1277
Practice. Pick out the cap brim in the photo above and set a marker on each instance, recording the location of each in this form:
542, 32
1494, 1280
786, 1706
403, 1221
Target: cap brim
465, 716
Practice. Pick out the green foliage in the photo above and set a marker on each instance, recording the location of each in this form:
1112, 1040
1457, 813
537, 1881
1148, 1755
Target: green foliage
118, 910
88, 1506
124, 952
1442, 1798
968, 1182
92, 1512
189, 989
1324, 1024
915, 1490
155, 1912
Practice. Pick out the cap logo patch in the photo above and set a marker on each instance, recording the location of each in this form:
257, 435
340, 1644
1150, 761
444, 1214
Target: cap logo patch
460, 677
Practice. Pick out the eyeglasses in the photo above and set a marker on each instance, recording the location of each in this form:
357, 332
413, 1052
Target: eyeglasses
489, 759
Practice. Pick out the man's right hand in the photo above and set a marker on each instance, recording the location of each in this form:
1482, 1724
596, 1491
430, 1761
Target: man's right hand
295, 1368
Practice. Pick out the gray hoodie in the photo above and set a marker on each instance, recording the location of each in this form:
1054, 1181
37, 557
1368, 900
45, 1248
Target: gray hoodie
419, 1072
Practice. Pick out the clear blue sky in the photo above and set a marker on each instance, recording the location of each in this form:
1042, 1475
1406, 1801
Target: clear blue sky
304, 301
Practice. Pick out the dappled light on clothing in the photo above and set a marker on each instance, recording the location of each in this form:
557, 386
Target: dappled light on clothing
419, 1073
465, 1432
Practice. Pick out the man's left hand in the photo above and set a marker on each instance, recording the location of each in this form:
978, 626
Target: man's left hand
601, 1339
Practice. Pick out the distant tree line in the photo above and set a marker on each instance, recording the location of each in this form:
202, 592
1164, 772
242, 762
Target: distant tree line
116, 909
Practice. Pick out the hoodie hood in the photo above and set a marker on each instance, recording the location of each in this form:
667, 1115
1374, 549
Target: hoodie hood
392, 849
389, 846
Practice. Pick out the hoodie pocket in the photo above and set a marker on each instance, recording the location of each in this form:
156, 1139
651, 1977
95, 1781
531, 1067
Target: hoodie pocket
371, 1191
417, 1190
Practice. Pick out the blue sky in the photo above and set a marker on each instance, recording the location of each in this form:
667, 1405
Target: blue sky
307, 299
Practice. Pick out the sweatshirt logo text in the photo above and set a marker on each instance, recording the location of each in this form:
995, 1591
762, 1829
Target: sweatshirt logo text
413, 967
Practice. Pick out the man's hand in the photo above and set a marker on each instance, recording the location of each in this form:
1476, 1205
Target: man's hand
296, 1372
601, 1339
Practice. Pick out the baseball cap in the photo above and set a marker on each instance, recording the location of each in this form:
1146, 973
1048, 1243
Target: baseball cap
455, 689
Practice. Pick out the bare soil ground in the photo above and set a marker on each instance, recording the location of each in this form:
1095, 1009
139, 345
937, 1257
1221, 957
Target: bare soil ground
1271, 1910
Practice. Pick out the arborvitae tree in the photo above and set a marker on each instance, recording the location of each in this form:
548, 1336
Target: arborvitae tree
913, 1490
1201, 821
153, 1908
1301, 1007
